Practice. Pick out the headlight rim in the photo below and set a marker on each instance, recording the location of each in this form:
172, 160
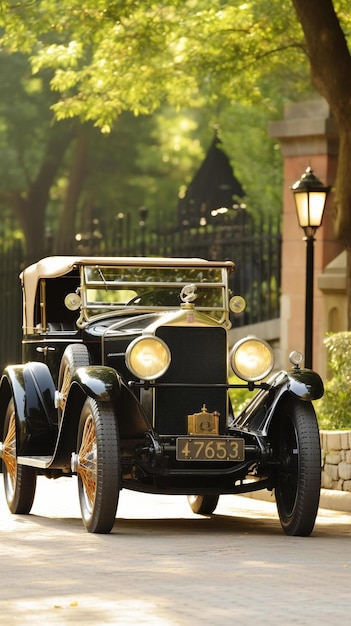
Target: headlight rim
237, 371
139, 340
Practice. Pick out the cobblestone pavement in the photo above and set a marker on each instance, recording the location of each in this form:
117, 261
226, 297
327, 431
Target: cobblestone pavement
164, 566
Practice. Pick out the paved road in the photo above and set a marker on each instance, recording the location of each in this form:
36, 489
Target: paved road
164, 566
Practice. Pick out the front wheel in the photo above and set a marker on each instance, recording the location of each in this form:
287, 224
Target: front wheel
97, 465
203, 505
298, 478
75, 355
19, 480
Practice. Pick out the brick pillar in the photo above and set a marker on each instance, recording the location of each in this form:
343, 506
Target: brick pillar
308, 138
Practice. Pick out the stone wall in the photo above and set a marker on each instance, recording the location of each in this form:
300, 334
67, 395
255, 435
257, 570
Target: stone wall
336, 459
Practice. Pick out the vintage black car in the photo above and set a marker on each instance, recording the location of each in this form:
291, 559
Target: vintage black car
127, 381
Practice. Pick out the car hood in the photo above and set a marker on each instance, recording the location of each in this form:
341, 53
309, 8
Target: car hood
134, 325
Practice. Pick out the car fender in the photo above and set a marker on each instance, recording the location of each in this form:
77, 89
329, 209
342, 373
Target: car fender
98, 382
12, 386
304, 385
105, 384
32, 389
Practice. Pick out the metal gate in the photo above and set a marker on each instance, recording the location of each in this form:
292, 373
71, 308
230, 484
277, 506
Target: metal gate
254, 246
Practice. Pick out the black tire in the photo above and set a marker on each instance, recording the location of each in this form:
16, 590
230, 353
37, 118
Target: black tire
203, 505
19, 480
98, 466
298, 478
75, 355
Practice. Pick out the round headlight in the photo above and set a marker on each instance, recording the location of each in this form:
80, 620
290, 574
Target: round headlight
148, 357
252, 359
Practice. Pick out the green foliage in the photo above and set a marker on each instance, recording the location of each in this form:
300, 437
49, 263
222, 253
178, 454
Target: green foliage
108, 57
25, 119
256, 157
154, 77
334, 408
240, 397
143, 161
198, 63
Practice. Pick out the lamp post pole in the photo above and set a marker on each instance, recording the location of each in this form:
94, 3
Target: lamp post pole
310, 196
309, 301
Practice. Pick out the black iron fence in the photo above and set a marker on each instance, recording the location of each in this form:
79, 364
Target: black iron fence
11, 260
254, 245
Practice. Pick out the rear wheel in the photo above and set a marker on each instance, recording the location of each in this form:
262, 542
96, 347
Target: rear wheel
97, 465
298, 479
19, 480
203, 505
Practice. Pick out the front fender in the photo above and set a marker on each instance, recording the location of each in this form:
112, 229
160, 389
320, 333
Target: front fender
98, 382
32, 389
304, 385
105, 384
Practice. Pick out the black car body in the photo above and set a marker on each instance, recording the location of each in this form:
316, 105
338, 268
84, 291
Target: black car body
125, 381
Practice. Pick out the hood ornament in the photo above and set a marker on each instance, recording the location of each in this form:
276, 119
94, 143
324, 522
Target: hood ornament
188, 293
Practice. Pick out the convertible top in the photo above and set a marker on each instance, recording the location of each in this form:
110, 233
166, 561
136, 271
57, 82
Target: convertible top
56, 266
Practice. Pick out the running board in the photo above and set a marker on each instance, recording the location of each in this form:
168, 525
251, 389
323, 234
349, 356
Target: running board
41, 462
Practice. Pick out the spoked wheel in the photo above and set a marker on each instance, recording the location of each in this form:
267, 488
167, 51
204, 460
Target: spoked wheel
19, 480
298, 477
75, 355
97, 466
203, 505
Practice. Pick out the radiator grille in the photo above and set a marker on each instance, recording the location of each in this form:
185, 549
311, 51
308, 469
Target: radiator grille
199, 356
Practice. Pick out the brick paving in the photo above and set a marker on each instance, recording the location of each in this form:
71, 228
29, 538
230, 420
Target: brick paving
164, 566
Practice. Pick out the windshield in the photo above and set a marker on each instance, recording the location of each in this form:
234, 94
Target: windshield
107, 289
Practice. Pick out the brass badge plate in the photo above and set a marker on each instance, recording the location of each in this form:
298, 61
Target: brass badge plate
203, 423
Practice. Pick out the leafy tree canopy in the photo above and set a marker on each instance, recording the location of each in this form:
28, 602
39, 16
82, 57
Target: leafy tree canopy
105, 59
108, 56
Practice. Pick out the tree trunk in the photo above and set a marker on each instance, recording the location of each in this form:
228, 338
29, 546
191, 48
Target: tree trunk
348, 282
342, 195
30, 210
330, 62
66, 231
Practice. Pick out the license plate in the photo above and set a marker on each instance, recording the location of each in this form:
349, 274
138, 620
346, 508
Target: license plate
210, 449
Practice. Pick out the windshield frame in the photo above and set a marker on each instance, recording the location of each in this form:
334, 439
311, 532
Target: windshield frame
210, 282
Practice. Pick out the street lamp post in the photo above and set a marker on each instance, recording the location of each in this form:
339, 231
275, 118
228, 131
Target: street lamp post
310, 196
